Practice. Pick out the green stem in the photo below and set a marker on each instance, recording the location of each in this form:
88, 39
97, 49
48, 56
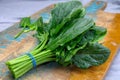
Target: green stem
17, 35
21, 65
41, 46
37, 47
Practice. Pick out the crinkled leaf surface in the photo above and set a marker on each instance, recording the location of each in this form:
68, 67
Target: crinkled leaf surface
64, 12
78, 27
93, 54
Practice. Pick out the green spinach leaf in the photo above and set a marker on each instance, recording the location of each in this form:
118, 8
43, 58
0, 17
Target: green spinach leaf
63, 13
93, 54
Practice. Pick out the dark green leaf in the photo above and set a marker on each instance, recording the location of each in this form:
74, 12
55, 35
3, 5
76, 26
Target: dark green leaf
63, 13
100, 32
93, 54
25, 22
78, 27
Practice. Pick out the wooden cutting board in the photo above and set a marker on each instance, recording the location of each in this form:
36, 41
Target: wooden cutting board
11, 48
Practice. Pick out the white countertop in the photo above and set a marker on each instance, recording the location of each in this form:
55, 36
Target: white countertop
11, 11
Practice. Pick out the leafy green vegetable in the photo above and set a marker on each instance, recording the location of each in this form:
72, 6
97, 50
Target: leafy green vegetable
93, 54
68, 38
64, 12
80, 42
78, 27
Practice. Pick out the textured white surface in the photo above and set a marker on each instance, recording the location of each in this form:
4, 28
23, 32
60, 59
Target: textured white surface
11, 11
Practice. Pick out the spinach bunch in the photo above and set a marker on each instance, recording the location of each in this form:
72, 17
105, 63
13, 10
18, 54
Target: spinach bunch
68, 38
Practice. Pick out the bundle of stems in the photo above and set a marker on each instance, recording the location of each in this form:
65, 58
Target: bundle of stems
23, 64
